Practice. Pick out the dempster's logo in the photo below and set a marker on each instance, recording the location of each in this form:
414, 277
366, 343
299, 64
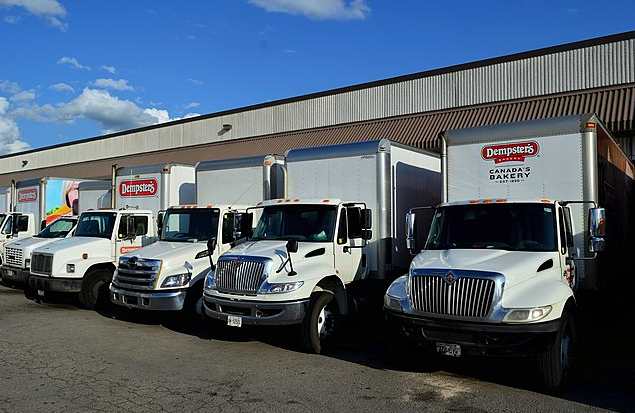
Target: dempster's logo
138, 187
512, 152
27, 195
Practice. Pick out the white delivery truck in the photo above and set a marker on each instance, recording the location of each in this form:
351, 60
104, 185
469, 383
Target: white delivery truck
17, 256
85, 262
313, 253
514, 240
38, 202
168, 275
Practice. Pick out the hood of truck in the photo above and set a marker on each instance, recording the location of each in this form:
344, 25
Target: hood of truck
515, 266
27, 245
170, 251
81, 245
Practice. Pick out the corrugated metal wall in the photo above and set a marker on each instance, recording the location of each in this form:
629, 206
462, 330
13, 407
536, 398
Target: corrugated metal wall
551, 71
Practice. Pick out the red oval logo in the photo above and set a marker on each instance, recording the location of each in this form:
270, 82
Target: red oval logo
27, 195
138, 187
510, 152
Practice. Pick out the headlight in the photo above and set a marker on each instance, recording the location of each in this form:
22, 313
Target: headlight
27, 263
525, 315
396, 293
210, 282
176, 280
392, 303
281, 288
70, 267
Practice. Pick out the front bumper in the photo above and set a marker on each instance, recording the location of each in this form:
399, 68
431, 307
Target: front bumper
155, 300
63, 285
480, 339
14, 274
256, 312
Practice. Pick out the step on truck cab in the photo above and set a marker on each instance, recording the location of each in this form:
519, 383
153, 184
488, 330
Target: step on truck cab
16, 265
336, 230
85, 263
516, 241
168, 275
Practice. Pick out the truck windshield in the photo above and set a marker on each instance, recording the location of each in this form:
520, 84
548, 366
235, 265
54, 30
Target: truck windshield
508, 226
190, 225
297, 222
58, 228
96, 224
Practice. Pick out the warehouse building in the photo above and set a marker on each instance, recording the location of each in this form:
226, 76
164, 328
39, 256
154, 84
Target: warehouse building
593, 76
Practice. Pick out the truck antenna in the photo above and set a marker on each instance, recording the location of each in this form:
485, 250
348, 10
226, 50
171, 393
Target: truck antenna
241, 195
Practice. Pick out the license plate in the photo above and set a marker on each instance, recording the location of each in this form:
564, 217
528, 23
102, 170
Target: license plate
40, 293
234, 321
10, 273
453, 350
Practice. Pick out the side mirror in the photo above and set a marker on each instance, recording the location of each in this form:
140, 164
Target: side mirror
411, 231
211, 245
596, 222
14, 226
42, 224
367, 218
160, 217
292, 245
367, 234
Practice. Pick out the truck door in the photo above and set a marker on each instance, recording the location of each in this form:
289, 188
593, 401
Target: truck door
567, 247
349, 258
132, 231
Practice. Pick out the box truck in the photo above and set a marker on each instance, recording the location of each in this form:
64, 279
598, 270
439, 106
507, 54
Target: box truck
516, 242
168, 275
17, 254
314, 255
84, 263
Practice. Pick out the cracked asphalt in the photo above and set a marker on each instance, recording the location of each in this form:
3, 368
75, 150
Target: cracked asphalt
58, 357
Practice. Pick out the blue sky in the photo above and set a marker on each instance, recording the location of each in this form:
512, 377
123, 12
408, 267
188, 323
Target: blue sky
76, 69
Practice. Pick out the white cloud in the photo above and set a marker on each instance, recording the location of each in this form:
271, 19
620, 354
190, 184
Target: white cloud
24, 96
49, 10
109, 69
192, 105
321, 10
12, 19
195, 81
109, 111
9, 87
121, 84
72, 62
10, 140
62, 87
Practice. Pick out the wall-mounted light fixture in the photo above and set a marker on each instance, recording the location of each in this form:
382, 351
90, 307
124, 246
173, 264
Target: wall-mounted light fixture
24, 163
227, 127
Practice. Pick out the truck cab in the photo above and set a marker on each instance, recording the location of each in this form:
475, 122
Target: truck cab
168, 275
17, 253
17, 225
84, 263
294, 269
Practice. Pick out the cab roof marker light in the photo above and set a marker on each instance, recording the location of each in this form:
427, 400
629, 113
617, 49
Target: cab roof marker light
280, 201
259, 203
267, 163
296, 200
326, 200
501, 201
545, 201
473, 202
487, 201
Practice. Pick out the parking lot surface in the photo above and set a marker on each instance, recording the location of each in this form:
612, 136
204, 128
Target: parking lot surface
58, 357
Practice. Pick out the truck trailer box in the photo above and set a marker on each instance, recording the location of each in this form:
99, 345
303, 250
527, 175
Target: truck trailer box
534, 214
155, 187
94, 195
340, 224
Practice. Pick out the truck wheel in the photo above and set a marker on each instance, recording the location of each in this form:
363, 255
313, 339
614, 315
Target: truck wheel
319, 326
555, 365
192, 315
95, 293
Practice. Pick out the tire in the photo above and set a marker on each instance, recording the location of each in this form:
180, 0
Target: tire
319, 327
555, 365
192, 315
95, 294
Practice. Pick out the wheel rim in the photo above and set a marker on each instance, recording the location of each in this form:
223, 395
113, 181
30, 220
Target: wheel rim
325, 322
198, 309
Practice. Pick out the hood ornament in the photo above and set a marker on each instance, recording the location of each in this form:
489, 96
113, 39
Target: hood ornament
450, 277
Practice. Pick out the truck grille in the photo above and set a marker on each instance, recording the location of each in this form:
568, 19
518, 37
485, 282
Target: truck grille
13, 256
41, 263
239, 275
463, 297
134, 273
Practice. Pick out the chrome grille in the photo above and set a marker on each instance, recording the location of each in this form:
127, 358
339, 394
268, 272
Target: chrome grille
238, 275
464, 297
41, 263
136, 273
13, 256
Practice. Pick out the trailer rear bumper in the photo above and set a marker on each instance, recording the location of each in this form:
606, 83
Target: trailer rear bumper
480, 339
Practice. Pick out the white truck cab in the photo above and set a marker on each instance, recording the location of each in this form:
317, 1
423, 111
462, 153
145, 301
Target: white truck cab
85, 262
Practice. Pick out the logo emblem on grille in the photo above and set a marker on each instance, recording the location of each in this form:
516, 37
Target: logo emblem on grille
450, 277
239, 261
